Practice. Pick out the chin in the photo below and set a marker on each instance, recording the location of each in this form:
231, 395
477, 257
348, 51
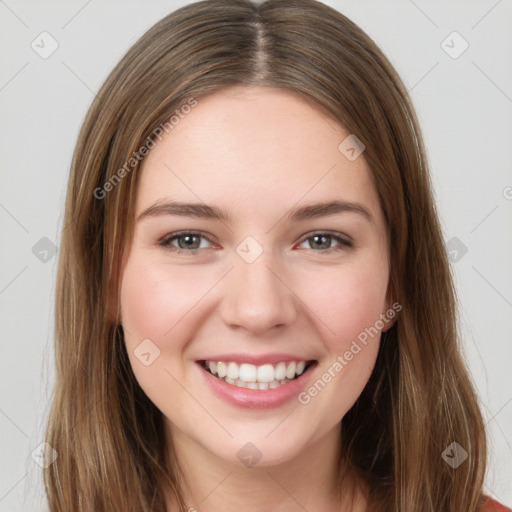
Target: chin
260, 447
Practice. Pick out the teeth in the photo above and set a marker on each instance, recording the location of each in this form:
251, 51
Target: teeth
232, 371
265, 373
222, 369
247, 372
256, 385
250, 376
280, 371
290, 371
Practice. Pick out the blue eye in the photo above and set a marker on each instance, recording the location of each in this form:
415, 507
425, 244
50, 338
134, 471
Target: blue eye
189, 242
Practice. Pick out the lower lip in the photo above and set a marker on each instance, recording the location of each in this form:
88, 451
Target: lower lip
257, 398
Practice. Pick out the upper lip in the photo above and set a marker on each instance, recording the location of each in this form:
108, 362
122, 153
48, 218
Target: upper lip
255, 359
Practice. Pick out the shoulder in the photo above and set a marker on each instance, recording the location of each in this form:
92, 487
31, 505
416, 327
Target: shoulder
491, 505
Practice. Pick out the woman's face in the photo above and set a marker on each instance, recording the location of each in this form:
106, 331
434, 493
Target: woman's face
254, 276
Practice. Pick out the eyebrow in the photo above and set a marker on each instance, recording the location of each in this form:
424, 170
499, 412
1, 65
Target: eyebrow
204, 211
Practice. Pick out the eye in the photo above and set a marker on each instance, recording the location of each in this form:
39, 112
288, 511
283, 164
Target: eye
323, 242
187, 241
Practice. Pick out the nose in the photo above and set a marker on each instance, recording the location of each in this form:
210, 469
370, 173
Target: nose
257, 297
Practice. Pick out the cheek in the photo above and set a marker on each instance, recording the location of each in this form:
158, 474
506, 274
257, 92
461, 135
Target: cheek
351, 346
155, 300
154, 306
146, 305
346, 300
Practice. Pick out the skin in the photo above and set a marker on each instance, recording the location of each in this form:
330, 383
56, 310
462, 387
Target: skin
256, 153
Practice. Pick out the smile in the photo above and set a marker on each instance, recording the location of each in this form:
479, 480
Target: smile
250, 376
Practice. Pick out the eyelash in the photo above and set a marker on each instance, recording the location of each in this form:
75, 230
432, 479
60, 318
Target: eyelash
166, 241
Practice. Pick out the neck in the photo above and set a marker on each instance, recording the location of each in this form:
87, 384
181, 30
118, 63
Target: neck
307, 482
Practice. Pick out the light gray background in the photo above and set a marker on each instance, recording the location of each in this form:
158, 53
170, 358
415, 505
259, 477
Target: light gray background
464, 105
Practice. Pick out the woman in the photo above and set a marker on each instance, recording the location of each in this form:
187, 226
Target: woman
254, 305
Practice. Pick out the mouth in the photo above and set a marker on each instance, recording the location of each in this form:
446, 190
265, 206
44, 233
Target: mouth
257, 377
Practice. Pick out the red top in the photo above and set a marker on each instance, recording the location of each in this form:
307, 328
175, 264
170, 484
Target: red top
493, 506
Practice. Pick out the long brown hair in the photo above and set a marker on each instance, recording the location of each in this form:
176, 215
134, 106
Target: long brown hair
109, 437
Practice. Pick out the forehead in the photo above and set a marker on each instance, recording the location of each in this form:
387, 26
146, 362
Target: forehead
247, 147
